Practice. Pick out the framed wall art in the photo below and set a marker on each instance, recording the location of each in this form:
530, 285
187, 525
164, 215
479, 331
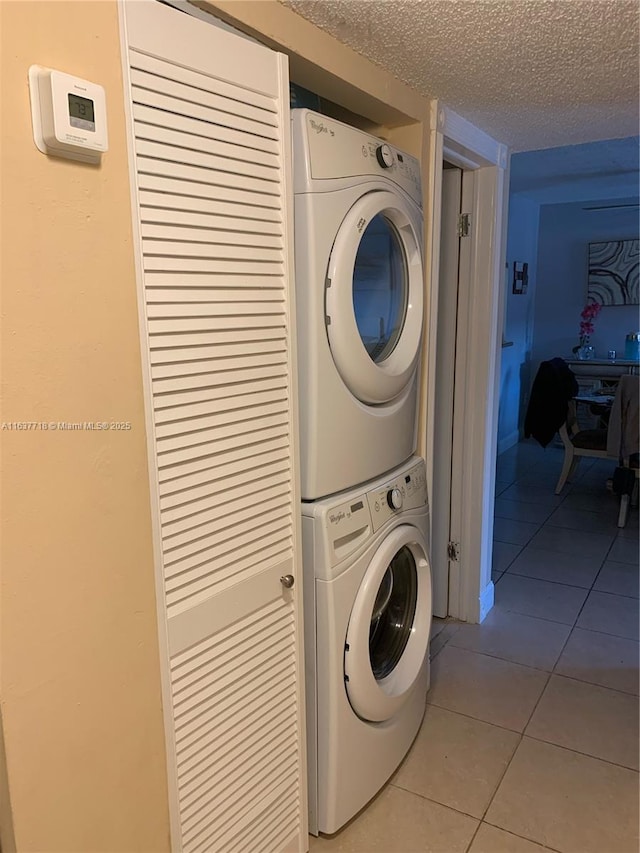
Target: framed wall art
613, 272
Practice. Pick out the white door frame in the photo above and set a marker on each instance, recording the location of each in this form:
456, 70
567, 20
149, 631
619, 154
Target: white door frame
473, 471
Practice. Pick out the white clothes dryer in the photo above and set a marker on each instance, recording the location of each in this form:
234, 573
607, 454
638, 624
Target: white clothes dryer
367, 594
359, 302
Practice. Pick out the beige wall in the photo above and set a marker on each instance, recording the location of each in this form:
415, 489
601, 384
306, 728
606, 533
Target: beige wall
80, 688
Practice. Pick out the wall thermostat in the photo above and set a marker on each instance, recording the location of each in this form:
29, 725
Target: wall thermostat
69, 115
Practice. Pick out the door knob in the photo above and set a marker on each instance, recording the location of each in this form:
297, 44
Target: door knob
287, 581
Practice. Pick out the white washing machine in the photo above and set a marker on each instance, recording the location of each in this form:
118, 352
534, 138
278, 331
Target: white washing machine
367, 593
359, 294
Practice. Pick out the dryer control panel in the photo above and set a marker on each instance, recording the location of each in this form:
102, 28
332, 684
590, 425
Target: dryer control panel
407, 491
332, 150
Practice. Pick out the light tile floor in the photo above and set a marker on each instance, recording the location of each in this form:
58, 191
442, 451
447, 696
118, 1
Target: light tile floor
530, 738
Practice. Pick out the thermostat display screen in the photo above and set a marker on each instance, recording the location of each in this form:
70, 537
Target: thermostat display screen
81, 113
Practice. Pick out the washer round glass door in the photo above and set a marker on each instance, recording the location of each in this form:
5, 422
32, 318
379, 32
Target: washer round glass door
389, 627
374, 297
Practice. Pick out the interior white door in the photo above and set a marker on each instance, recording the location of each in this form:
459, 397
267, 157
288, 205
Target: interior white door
208, 125
445, 372
460, 480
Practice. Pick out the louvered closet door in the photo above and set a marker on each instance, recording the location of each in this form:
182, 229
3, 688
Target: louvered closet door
209, 133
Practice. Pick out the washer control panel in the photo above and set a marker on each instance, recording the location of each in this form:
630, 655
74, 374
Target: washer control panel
407, 491
347, 525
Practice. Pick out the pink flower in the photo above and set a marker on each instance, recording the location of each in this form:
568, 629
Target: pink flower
587, 316
591, 311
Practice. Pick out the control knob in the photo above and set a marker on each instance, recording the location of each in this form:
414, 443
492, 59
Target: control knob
384, 155
394, 498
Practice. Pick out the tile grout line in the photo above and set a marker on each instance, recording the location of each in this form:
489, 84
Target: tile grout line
593, 684
476, 719
510, 832
521, 738
558, 583
466, 814
572, 585
580, 752
551, 671
588, 596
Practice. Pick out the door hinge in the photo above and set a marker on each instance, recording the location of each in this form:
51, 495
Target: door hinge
453, 551
464, 224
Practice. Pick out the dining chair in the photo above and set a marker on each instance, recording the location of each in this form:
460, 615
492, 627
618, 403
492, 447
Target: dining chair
577, 444
623, 442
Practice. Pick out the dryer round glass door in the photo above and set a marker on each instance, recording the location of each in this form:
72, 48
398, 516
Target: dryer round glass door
388, 634
374, 296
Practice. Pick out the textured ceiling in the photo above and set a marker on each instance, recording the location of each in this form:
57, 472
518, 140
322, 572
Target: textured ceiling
531, 73
578, 172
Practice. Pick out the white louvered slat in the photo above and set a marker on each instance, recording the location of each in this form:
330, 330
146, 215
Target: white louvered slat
163, 200
202, 750
276, 787
215, 550
226, 186
176, 212
214, 198
244, 443
248, 266
168, 149
166, 301
210, 282
230, 152
208, 469
222, 85
220, 561
213, 442
187, 432
239, 687
174, 361
184, 530
194, 88
231, 383
212, 251
225, 475
238, 751
202, 133
266, 828
206, 113
213, 372
201, 233
232, 693
207, 330
186, 593
172, 389
208, 126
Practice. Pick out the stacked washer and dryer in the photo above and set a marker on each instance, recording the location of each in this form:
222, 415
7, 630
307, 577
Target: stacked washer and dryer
365, 515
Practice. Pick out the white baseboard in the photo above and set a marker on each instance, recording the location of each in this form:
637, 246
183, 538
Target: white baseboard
508, 441
486, 600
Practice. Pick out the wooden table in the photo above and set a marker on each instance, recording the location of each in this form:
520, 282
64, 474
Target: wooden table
601, 372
